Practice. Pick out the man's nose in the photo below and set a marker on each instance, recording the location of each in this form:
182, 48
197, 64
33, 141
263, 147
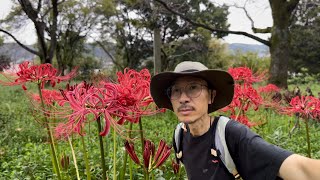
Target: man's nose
184, 97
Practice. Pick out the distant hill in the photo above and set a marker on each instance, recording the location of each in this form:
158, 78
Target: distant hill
262, 50
19, 54
16, 52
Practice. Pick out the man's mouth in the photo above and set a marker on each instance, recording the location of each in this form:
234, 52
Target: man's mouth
185, 110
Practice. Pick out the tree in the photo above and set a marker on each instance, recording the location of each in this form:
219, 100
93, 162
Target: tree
218, 55
43, 15
192, 41
4, 61
76, 20
278, 43
305, 41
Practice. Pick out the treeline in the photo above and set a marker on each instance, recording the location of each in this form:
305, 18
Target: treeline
187, 30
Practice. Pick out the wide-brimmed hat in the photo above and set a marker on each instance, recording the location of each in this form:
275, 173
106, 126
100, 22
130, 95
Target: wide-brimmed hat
219, 80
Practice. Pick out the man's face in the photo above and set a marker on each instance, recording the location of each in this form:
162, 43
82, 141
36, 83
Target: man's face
190, 98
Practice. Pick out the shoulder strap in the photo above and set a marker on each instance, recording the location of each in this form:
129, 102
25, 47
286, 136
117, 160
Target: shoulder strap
221, 145
177, 141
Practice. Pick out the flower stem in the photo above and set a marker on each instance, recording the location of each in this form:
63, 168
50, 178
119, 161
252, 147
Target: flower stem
123, 172
130, 169
74, 158
53, 151
146, 174
240, 110
103, 162
85, 153
114, 155
141, 133
308, 138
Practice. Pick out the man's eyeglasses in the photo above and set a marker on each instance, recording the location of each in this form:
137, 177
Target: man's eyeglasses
192, 91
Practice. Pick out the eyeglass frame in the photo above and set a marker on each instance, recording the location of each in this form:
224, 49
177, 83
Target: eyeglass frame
168, 91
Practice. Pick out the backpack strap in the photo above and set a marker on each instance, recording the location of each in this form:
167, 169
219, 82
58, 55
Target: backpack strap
221, 146
177, 141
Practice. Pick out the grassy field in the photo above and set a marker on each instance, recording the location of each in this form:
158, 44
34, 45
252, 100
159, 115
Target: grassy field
25, 153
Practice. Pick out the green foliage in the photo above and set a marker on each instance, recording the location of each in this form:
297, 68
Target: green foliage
251, 60
108, 7
218, 56
303, 77
87, 67
4, 61
305, 39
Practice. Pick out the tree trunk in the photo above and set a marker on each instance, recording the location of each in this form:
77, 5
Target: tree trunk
280, 41
59, 59
280, 57
157, 50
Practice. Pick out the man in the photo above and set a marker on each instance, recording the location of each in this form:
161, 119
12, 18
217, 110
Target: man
193, 91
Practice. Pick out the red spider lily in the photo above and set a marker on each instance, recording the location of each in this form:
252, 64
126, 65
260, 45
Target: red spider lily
244, 120
49, 96
84, 99
271, 96
39, 74
131, 97
316, 111
306, 106
245, 96
175, 167
62, 131
244, 74
151, 159
268, 89
79, 103
133, 91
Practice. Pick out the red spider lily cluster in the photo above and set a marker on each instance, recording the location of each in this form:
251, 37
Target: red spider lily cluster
151, 159
245, 95
116, 103
126, 100
39, 74
308, 107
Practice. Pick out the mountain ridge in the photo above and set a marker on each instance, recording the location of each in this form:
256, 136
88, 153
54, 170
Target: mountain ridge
18, 54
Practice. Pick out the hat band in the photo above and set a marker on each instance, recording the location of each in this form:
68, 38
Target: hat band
191, 70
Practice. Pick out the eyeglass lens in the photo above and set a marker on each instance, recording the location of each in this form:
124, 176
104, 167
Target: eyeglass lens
191, 90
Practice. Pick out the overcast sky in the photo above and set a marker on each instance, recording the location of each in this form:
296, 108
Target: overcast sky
259, 11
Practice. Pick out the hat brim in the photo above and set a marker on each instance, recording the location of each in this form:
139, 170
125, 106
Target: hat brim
221, 81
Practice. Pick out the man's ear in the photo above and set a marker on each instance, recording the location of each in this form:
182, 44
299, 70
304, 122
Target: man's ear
212, 94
